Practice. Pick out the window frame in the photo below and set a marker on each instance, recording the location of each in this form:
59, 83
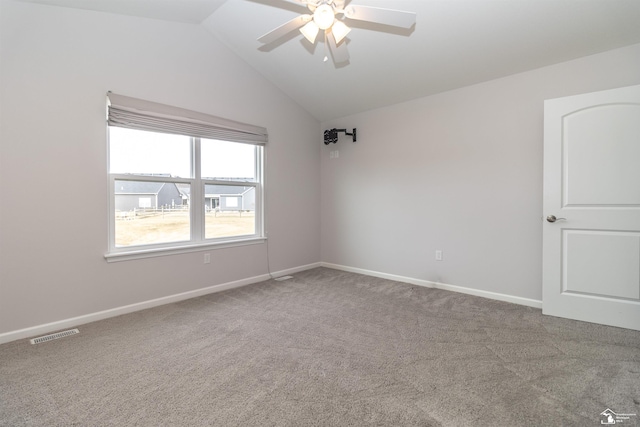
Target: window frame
197, 210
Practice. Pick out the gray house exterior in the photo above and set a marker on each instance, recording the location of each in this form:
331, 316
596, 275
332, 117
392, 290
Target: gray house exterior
230, 198
130, 195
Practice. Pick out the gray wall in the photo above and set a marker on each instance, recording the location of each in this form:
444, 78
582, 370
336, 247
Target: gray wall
57, 65
470, 162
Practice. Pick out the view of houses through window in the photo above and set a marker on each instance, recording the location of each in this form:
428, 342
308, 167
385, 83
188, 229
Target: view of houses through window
169, 189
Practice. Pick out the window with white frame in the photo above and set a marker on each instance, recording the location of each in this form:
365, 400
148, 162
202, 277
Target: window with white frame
181, 179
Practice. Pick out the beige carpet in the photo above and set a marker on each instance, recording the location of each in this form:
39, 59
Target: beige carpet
326, 348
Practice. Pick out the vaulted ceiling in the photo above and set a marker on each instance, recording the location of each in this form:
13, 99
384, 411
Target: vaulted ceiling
454, 43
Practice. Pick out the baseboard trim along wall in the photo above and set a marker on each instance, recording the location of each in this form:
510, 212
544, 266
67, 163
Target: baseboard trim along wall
427, 284
92, 317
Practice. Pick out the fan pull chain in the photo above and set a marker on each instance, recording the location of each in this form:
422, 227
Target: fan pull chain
326, 57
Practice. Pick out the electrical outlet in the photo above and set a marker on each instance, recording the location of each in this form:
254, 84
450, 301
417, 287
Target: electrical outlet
438, 255
207, 258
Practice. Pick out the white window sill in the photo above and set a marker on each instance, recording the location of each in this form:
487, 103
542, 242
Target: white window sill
127, 255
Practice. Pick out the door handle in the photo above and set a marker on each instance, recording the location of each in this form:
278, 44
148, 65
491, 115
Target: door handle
552, 218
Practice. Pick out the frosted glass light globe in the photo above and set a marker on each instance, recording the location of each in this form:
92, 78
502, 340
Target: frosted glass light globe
323, 16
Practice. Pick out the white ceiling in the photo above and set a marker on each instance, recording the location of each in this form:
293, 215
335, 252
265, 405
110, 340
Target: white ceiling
453, 44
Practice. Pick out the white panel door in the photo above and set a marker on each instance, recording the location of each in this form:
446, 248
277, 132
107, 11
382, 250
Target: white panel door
591, 252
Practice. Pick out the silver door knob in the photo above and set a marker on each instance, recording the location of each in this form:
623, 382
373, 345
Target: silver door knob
552, 218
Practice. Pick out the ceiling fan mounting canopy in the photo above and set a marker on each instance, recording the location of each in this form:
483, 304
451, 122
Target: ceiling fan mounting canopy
323, 17
312, 5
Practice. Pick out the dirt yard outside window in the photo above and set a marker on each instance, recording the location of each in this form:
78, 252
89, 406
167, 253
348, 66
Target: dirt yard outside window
144, 229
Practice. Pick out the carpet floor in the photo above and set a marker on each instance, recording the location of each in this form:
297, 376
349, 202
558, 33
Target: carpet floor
326, 348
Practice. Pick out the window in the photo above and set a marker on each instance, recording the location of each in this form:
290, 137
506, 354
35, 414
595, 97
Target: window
177, 186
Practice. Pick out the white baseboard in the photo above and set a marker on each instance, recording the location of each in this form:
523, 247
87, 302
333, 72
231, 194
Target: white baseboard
296, 269
105, 314
419, 282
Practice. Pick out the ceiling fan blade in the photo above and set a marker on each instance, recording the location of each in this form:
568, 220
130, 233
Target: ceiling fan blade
339, 4
303, 3
338, 51
396, 18
285, 28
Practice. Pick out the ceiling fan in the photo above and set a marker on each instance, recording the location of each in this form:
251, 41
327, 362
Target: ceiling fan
325, 15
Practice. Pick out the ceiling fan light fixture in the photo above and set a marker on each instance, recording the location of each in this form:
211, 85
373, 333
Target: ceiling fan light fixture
340, 31
323, 16
330, 16
310, 31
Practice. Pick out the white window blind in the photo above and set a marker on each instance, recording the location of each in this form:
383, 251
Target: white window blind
133, 113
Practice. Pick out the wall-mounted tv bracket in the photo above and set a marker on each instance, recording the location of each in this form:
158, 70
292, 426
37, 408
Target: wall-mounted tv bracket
331, 135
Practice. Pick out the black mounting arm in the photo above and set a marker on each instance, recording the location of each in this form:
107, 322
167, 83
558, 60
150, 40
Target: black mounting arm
331, 135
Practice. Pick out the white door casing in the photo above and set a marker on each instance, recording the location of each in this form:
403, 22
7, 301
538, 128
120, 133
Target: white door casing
591, 253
